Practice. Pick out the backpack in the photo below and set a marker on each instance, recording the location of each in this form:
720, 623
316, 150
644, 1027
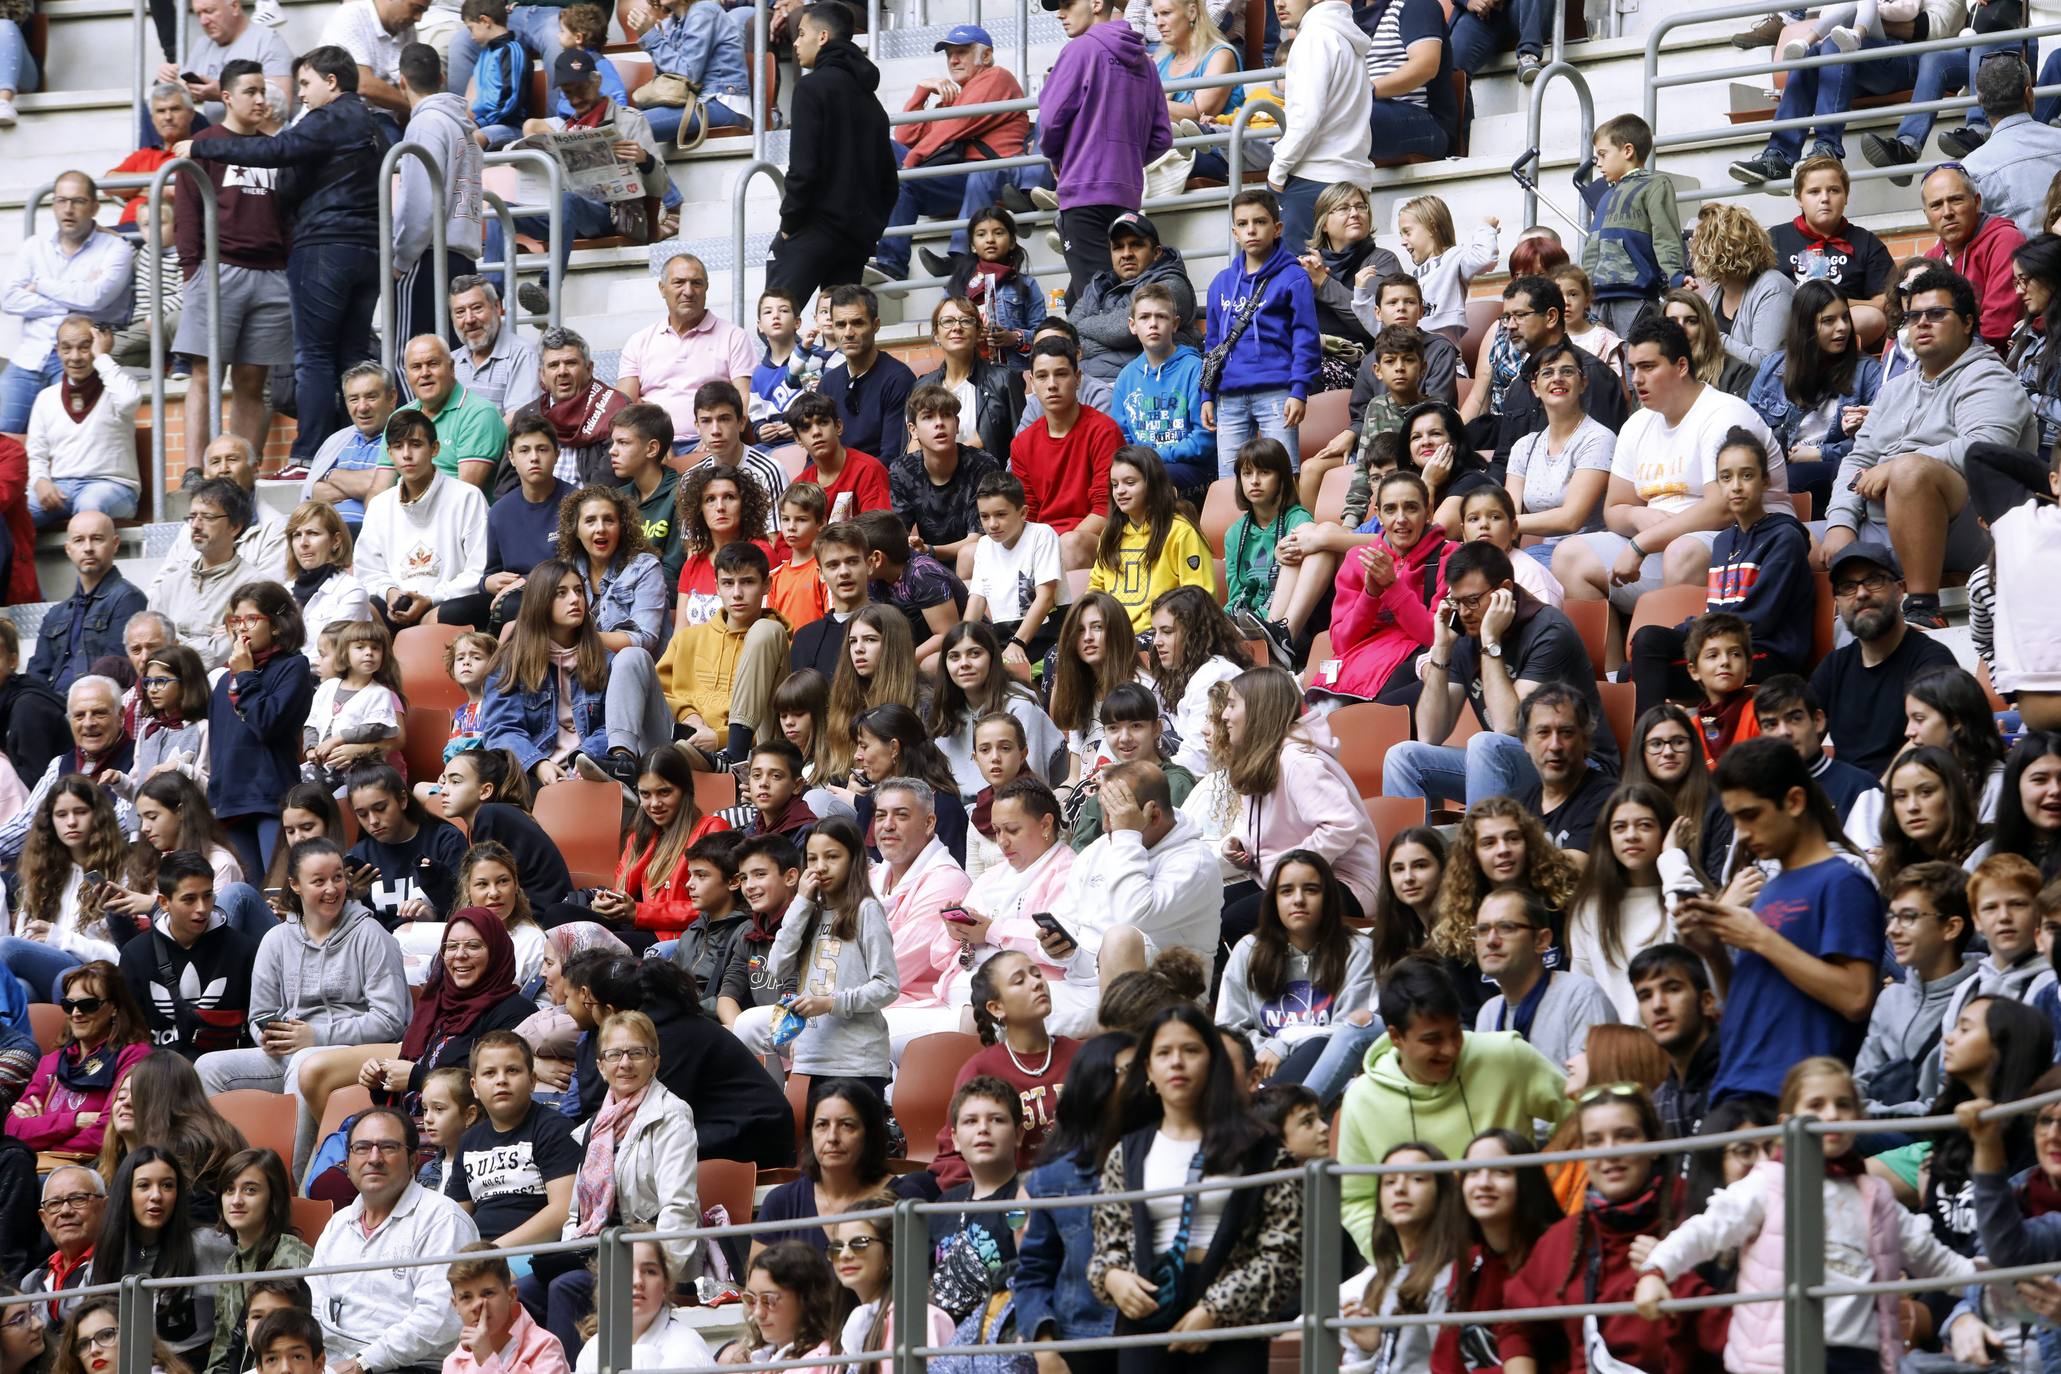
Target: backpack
991, 1323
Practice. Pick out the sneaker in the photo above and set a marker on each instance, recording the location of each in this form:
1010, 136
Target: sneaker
936, 263
1795, 50
533, 298
292, 472
1012, 199
268, 13
1054, 242
1754, 171
1823, 149
1280, 643
1187, 128
1882, 150
1923, 612
1958, 143
1844, 39
7, 114
877, 272
1529, 65
1044, 199
1765, 30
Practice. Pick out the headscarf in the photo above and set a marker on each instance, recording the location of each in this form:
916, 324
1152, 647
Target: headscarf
447, 1009
577, 937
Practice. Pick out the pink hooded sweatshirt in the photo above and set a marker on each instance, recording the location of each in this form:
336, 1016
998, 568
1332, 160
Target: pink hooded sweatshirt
1374, 630
1315, 806
530, 1350
934, 882
1007, 898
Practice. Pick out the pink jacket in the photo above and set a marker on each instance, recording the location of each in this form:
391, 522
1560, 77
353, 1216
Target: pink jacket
1315, 806
1374, 630
932, 883
56, 1127
530, 1350
1011, 897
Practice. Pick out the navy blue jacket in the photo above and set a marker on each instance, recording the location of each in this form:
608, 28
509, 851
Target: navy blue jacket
335, 152
99, 615
1763, 575
256, 743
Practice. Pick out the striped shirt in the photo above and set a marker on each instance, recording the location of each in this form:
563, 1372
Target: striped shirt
760, 467
1391, 48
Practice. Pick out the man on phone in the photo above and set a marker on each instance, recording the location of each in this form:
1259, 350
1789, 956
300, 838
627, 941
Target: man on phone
918, 881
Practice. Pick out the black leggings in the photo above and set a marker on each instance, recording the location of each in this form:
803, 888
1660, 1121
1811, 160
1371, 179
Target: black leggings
2000, 477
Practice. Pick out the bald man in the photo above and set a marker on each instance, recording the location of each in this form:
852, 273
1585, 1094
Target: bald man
471, 435
666, 363
89, 622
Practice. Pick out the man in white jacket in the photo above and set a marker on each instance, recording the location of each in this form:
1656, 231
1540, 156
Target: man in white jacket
442, 123
82, 436
424, 539
1149, 883
1330, 109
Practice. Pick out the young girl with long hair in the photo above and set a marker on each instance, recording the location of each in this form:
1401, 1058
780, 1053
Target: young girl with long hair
449, 1110
866, 1271
162, 1102
889, 741
1184, 1119
1442, 267
835, 938
1709, 363
357, 716
485, 790
405, 860
147, 1230
1946, 707
1194, 647
1617, 908
877, 667
994, 279
257, 1216
1928, 813
1302, 974
1994, 1050
2029, 806
172, 814
308, 811
660, 1337
601, 533
717, 505
801, 703
792, 1303
651, 876
318, 568
90, 1342
1279, 597
255, 717
1421, 1240
1810, 390
1862, 1335
1011, 999
62, 1112
75, 832
1096, 654
974, 683
27, 1344
489, 877
999, 756
1386, 592
551, 663
1508, 1210
1666, 754
171, 719
1405, 910
1499, 844
1148, 547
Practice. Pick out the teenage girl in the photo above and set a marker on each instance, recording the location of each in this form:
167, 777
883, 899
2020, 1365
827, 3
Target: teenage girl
1153, 548
1420, 1241
975, 683
1618, 909
877, 668
1096, 653
834, 937
1301, 973
1281, 596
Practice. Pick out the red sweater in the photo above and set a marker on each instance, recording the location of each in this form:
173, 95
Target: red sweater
22, 586
1680, 1343
1066, 480
1484, 1275
1039, 1094
1986, 261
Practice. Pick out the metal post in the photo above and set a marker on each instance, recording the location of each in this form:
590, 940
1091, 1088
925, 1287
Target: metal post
388, 165
1235, 156
1536, 118
911, 1288
612, 1301
145, 35
505, 217
761, 89
1803, 1244
554, 177
135, 1327
1023, 44
211, 271
758, 167
1322, 1272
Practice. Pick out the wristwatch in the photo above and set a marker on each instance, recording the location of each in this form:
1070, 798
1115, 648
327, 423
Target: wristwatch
1493, 648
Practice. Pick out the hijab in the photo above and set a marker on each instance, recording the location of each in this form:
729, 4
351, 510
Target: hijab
577, 937
447, 1009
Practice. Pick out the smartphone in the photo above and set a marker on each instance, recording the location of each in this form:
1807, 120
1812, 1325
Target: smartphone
94, 878
1044, 920
273, 894
193, 78
956, 914
266, 1024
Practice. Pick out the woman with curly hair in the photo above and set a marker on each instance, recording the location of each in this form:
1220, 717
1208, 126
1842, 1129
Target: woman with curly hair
1194, 647
1708, 361
1499, 844
1734, 260
718, 505
601, 535
75, 832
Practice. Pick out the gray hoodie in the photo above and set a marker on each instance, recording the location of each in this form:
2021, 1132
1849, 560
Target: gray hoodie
1302, 1009
351, 988
1976, 400
1907, 1016
860, 979
444, 126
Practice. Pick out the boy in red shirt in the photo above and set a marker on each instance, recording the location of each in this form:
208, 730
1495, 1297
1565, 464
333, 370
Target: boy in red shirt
1063, 459
853, 482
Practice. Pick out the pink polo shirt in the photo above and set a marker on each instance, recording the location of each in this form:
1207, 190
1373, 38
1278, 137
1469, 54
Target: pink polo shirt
670, 366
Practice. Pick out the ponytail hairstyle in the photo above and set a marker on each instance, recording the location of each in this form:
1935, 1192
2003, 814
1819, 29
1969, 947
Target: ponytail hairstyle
500, 770
986, 988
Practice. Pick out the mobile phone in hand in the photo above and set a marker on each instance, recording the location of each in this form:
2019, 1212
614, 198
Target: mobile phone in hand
957, 915
1044, 920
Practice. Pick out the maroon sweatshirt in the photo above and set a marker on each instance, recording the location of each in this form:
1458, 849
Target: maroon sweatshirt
1038, 1092
249, 225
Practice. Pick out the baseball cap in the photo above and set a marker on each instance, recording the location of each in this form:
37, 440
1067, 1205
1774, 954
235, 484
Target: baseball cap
1866, 551
961, 35
1135, 224
573, 64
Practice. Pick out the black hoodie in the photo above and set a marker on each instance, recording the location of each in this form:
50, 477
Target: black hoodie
840, 159
33, 726
335, 151
194, 1000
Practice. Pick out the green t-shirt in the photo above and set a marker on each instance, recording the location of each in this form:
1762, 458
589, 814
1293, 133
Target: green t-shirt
468, 429
661, 524
1249, 564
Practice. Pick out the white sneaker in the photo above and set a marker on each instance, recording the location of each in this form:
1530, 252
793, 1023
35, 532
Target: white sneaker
1844, 39
1044, 198
7, 115
1795, 50
269, 14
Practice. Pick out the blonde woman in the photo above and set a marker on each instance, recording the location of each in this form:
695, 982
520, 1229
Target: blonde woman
1708, 361
1192, 45
1734, 262
318, 570
1341, 252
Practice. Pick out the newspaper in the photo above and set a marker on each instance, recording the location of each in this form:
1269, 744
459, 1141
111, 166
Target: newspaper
588, 159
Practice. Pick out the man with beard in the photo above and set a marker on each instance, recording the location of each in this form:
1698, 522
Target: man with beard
581, 410
1862, 684
496, 362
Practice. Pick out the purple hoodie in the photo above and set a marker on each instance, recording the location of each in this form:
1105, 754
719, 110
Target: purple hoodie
1102, 117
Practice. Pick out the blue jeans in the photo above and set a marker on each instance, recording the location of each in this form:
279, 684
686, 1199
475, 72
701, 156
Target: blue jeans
665, 121
1831, 91
1489, 765
253, 838
1345, 1053
932, 196
38, 966
1405, 130
19, 387
1243, 415
1519, 24
245, 907
1941, 74
1299, 210
534, 26
83, 494
335, 290
17, 68
583, 219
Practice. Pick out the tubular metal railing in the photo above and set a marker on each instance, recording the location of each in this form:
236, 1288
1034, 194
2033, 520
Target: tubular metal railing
1320, 1325
389, 298
1534, 126
554, 215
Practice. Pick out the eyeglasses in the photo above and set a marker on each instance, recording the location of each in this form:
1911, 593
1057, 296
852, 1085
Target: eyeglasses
945, 322
22, 1317
1468, 603
1930, 314
365, 1149
764, 1302
61, 201
1669, 744
150, 682
246, 621
1610, 1092
472, 947
1871, 583
1510, 317
858, 1245
631, 1054
80, 1006
1504, 929
1905, 916
103, 1339
70, 1202
1559, 374
204, 517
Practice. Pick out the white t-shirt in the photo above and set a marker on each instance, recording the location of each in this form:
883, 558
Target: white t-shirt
1668, 466
355, 28
1546, 475
1009, 578
1166, 1166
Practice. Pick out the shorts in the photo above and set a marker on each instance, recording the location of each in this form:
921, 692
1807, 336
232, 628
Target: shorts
1967, 542
257, 319
1607, 546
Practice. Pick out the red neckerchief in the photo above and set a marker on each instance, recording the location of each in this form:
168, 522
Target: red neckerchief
592, 119
80, 398
1848, 1165
2038, 1196
1813, 239
982, 817
60, 1271
257, 661
584, 418
1720, 719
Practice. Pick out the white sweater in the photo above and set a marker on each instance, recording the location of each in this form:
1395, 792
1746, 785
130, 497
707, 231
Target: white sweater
2028, 626
1443, 279
1329, 102
101, 445
1172, 893
436, 547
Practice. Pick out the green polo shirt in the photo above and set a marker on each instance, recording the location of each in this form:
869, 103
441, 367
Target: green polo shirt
468, 429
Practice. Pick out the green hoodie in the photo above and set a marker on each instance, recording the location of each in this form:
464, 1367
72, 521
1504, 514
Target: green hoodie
1500, 1081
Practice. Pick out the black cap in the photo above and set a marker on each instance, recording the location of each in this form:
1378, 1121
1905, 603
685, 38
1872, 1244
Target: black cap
573, 64
1135, 224
1866, 551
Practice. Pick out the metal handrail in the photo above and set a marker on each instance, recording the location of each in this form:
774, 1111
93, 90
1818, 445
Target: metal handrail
1241, 129
389, 346
211, 268
505, 217
1535, 119
758, 166
554, 177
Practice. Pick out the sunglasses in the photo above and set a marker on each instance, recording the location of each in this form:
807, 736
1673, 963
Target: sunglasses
858, 1245
80, 1006
1610, 1092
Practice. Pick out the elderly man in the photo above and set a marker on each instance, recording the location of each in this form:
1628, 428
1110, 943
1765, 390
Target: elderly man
88, 623
263, 541
496, 362
1103, 311
99, 742
75, 269
145, 634
580, 408
1976, 244
2017, 162
397, 1318
916, 879
171, 122
1903, 483
74, 1200
231, 37
31, 713
471, 435
666, 363
373, 32
972, 77
194, 594
82, 437
346, 471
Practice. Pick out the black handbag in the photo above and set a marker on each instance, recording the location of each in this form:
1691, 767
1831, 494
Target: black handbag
1213, 362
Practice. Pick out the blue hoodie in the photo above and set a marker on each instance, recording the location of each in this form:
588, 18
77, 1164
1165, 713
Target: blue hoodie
1280, 348
1161, 408
503, 77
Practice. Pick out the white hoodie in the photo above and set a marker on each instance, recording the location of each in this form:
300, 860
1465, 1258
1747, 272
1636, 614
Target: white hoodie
436, 547
1171, 893
1330, 102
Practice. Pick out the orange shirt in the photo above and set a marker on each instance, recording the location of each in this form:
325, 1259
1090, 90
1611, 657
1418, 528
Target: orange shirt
796, 592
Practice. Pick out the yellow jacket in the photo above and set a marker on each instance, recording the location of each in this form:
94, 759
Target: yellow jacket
699, 666
1184, 560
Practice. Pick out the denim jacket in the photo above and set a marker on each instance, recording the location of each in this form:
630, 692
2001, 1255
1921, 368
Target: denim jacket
1051, 1282
631, 598
527, 722
702, 47
2028, 348
1784, 416
102, 613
